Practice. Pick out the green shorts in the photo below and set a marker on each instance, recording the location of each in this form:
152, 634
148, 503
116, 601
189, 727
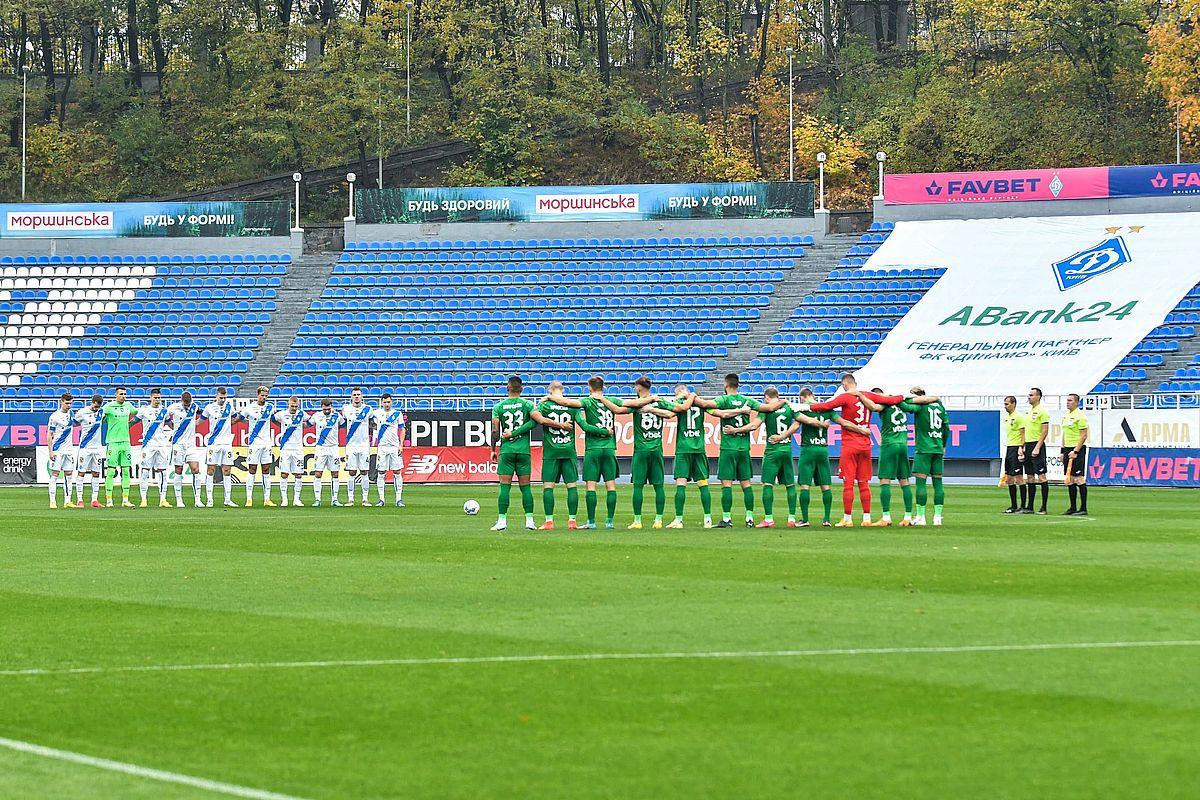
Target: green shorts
929, 464
691, 467
600, 465
647, 467
734, 465
894, 464
119, 455
777, 467
514, 464
813, 467
560, 469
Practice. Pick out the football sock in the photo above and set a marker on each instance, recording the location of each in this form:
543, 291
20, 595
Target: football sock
126, 482
398, 484
1024, 495
1073, 493
1083, 497
922, 496
317, 489
827, 501
365, 481
267, 481
381, 485
54, 490
227, 485
196, 486
611, 505
706, 499
726, 502
748, 501
502, 500
864, 496
907, 492
108, 482
527, 499
885, 498
296, 489
680, 500
791, 498
572, 501
251, 479
847, 497
660, 500
590, 499
805, 498
768, 494
79, 487
939, 491
208, 486
548, 503
144, 484
1012, 495
1045, 494
336, 488
637, 501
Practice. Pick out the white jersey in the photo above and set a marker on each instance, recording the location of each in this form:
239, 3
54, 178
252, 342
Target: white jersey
259, 419
327, 429
388, 425
183, 424
358, 426
291, 430
220, 425
156, 433
62, 426
89, 428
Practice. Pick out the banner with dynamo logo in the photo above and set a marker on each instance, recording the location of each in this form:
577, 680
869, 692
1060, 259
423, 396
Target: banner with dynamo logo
1052, 302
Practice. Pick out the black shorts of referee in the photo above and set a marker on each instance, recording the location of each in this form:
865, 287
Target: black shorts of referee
1035, 464
1079, 468
1013, 466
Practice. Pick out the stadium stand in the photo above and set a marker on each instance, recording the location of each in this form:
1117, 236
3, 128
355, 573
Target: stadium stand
448, 319
86, 323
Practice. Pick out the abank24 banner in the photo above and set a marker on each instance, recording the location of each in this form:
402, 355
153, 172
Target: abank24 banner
1052, 302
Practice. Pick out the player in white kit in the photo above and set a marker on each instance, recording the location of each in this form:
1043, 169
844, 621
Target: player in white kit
90, 460
259, 441
63, 452
389, 441
184, 451
327, 422
156, 447
220, 445
358, 444
291, 449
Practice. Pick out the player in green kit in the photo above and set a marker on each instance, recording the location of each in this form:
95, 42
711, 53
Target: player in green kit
599, 452
647, 467
559, 459
894, 464
691, 455
512, 420
931, 425
777, 465
116, 415
813, 464
733, 463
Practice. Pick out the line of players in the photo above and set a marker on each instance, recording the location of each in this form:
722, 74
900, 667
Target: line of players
170, 442
515, 416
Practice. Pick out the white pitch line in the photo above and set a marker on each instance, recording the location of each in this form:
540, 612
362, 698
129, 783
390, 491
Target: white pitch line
569, 657
218, 787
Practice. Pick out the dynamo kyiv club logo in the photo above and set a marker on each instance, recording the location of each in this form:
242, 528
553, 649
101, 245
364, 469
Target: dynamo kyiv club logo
1087, 264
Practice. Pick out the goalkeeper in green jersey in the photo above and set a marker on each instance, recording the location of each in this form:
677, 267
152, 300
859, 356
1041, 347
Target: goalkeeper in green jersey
116, 415
512, 420
647, 468
734, 461
931, 425
599, 451
691, 455
560, 462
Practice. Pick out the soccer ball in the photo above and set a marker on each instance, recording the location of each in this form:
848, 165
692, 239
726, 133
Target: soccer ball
470, 508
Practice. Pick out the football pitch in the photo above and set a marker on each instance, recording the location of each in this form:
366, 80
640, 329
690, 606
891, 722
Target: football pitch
377, 652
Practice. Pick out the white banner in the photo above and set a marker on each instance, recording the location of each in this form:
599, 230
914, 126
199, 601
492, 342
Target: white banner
1052, 302
1150, 428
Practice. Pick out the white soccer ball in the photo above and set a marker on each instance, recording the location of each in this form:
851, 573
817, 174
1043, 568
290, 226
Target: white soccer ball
470, 508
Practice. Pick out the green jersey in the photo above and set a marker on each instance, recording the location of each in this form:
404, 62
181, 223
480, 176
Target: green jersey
736, 442
598, 415
689, 431
116, 418
893, 427
931, 426
813, 436
515, 415
648, 428
777, 422
555, 441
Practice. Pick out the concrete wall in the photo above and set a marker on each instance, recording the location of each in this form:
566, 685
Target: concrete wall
148, 246
585, 230
1037, 208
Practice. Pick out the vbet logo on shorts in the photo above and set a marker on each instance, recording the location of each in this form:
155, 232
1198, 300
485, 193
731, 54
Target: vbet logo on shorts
1087, 264
68, 220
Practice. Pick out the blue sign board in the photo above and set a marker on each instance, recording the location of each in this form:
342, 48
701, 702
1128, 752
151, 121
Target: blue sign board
1155, 180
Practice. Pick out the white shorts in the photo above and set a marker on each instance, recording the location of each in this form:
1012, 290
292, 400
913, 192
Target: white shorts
64, 460
327, 461
291, 462
389, 461
186, 454
155, 458
260, 455
91, 460
219, 455
358, 460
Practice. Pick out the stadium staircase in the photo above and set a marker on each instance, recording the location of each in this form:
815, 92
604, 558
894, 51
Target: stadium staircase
303, 284
803, 279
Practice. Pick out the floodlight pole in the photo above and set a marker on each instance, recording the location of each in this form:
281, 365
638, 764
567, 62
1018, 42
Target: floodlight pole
350, 178
821, 177
791, 119
24, 116
407, 71
297, 177
880, 157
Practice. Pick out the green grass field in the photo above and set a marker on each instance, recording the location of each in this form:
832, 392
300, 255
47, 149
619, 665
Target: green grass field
115, 594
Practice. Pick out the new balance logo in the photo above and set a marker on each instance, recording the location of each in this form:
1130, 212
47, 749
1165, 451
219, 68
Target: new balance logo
423, 465
1087, 264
